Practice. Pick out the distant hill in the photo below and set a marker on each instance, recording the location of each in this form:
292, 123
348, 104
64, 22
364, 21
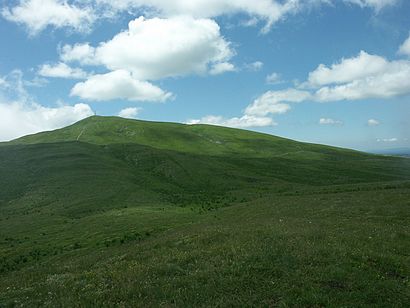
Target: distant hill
405, 152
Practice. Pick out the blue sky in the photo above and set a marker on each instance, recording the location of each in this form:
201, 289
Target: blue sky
323, 71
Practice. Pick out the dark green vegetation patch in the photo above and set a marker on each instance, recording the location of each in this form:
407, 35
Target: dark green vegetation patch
114, 212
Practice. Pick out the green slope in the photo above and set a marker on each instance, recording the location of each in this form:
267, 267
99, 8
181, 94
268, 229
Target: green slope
196, 139
115, 212
89, 177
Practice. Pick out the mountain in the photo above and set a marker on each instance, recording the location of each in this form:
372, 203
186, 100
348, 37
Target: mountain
405, 152
111, 211
195, 139
154, 162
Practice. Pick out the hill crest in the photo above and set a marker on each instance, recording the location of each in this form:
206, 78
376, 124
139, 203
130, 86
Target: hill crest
196, 139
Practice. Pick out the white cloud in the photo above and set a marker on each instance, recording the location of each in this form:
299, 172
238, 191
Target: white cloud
251, 22
269, 11
275, 102
388, 140
254, 67
12, 87
158, 48
329, 121
20, 115
220, 68
82, 53
394, 81
61, 70
405, 48
18, 118
118, 84
258, 113
36, 15
150, 49
347, 70
375, 4
362, 77
273, 78
37, 82
373, 122
129, 113
245, 121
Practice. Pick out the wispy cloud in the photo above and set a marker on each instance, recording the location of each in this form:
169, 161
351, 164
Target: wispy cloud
373, 122
61, 70
388, 140
329, 121
37, 15
273, 78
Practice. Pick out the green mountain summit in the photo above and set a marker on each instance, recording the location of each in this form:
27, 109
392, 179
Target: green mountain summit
196, 139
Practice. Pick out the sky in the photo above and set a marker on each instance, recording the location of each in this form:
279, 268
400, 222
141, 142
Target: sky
333, 72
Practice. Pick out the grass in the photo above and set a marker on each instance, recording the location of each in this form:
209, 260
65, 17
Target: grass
169, 218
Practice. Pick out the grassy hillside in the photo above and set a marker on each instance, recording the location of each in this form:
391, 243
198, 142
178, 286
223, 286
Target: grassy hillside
115, 212
196, 139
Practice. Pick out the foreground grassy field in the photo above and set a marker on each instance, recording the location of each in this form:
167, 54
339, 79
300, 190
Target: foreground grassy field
144, 223
334, 249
